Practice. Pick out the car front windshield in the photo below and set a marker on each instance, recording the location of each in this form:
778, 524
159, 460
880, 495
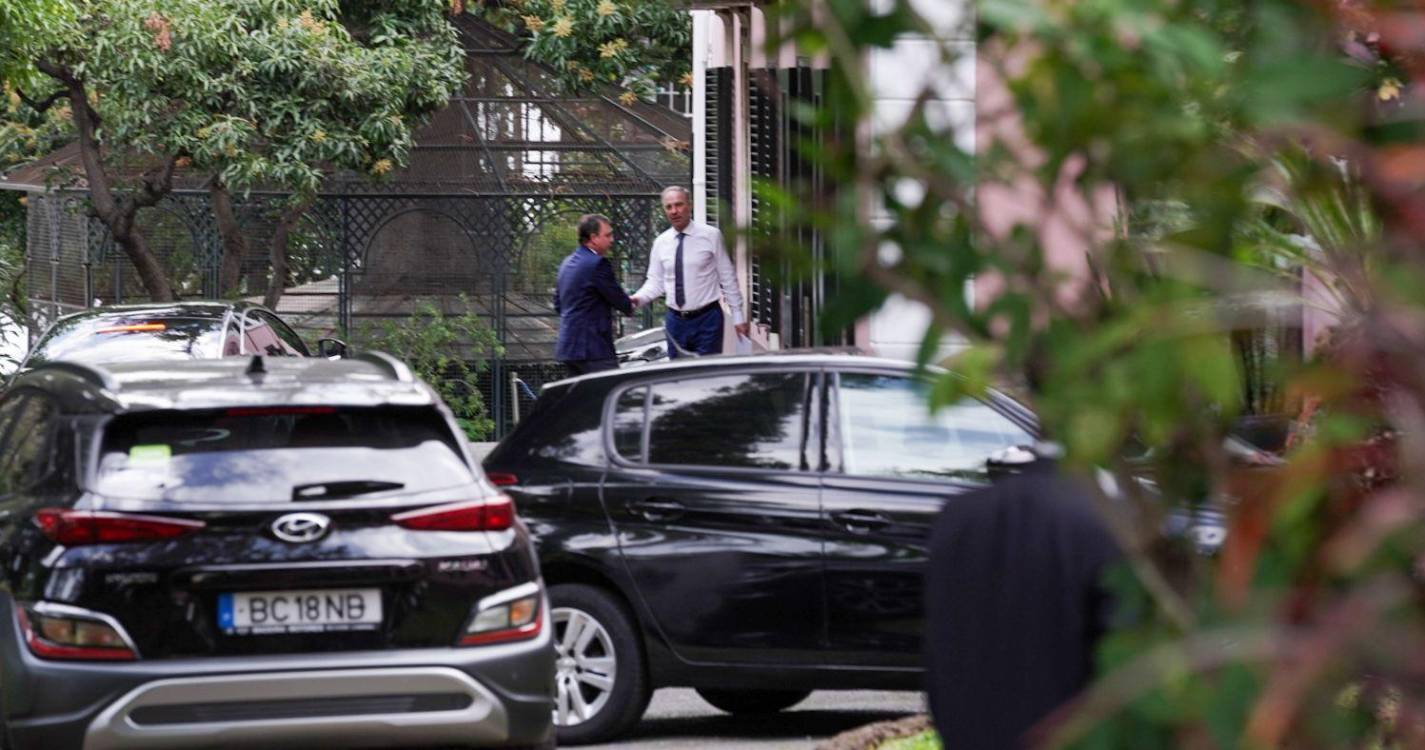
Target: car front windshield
129, 339
263, 455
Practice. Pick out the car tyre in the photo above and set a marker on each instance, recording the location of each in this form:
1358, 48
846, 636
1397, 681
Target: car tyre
601, 681
753, 701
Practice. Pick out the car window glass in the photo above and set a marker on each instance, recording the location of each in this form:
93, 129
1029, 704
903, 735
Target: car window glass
749, 421
887, 430
10, 409
58, 479
232, 342
127, 339
628, 424
27, 457
569, 430
261, 340
265, 455
285, 336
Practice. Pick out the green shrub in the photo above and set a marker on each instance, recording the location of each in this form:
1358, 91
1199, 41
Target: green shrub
927, 740
449, 350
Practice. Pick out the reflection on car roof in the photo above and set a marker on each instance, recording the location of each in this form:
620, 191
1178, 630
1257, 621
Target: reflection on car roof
838, 355
200, 309
369, 379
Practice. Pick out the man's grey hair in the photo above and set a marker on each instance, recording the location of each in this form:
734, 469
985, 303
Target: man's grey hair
687, 195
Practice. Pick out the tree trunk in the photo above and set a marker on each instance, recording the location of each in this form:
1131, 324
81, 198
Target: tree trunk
234, 243
151, 272
117, 212
280, 235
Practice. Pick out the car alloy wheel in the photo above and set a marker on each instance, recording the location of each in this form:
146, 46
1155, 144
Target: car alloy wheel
601, 684
585, 666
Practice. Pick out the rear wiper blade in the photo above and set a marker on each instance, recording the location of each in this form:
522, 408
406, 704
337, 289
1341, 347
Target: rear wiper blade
350, 488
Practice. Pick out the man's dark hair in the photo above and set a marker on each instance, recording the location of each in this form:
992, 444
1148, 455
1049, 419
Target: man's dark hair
590, 225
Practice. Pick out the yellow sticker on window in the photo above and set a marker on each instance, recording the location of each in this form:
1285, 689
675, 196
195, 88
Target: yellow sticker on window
150, 454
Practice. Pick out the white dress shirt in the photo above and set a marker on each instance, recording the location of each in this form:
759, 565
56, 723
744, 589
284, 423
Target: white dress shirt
706, 270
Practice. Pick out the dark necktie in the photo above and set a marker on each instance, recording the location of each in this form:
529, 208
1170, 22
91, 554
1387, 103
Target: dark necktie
679, 296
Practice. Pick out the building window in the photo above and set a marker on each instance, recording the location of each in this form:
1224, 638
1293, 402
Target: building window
675, 97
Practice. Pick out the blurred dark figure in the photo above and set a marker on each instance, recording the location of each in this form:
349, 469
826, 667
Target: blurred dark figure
1014, 605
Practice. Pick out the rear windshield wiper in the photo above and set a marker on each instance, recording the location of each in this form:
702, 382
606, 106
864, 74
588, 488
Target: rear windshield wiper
350, 488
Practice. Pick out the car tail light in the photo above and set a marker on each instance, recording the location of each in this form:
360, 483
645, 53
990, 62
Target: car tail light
510, 615
491, 514
502, 479
55, 631
78, 527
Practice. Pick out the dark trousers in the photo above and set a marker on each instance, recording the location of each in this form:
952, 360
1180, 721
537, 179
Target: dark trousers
586, 366
701, 334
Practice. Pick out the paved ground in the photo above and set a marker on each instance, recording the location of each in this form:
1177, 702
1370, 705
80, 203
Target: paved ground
679, 720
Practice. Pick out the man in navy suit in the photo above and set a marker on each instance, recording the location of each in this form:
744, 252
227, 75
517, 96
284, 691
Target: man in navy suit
585, 295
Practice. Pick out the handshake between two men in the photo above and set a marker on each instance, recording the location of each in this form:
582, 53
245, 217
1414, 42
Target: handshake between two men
688, 264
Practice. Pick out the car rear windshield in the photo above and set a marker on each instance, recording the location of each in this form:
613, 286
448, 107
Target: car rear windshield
130, 339
260, 455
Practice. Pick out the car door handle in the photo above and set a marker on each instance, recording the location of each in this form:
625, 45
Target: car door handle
655, 509
860, 520
541, 492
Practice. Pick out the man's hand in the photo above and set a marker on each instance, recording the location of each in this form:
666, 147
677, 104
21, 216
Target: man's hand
743, 329
637, 303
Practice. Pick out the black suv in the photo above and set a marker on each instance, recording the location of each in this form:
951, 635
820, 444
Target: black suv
753, 527
249, 551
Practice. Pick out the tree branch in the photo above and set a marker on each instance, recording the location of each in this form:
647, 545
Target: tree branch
41, 105
281, 236
20, 304
86, 125
118, 215
230, 232
157, 183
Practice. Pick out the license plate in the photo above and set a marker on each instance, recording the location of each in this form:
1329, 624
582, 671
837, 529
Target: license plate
321, 611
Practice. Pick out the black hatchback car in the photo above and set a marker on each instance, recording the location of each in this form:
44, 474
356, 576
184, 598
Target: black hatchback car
254, 552
754, 527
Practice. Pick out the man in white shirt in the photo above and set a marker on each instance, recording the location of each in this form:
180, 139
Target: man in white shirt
689, 264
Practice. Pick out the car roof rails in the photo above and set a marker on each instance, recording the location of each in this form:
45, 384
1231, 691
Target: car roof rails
89, 374
394, 367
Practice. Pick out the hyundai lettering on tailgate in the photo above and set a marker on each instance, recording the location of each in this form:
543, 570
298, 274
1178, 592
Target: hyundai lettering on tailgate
267, 612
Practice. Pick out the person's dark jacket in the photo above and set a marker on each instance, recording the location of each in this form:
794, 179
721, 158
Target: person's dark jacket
1014, 606
585, 294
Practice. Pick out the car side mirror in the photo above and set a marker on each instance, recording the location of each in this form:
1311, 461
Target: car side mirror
331, 348
1009, 461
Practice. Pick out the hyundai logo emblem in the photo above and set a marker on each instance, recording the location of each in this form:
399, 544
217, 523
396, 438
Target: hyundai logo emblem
301, 527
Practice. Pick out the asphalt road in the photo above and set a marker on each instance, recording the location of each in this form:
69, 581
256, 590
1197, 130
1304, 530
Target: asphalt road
678, 719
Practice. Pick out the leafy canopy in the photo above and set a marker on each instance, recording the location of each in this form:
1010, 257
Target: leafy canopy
263, 92
27, 28
634, 45
1203, 158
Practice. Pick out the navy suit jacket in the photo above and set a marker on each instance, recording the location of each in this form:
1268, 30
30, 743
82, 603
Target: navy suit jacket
585, 295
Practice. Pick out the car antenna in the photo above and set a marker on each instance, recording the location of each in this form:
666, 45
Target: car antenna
256, 367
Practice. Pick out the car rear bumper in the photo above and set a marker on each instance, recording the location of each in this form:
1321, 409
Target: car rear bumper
480, 696
402, 706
